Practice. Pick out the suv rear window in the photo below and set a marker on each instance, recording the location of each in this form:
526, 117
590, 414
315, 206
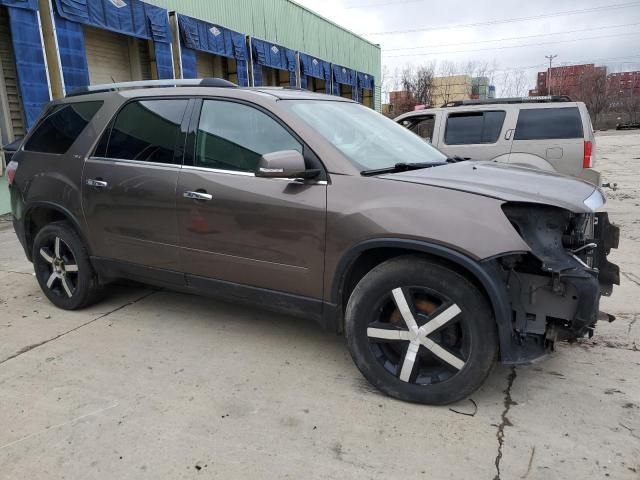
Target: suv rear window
145, 130
61, 126
548, 124
470, 128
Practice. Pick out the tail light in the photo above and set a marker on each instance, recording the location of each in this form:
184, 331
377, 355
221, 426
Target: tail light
587, 161
12, 168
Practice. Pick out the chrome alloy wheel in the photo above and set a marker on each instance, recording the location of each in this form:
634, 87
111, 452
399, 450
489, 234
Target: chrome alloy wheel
60, 269
419, 336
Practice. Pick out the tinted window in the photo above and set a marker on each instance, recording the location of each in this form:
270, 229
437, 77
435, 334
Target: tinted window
233, 136
424, 127
60, 127
473, 127
548, 123
146, 130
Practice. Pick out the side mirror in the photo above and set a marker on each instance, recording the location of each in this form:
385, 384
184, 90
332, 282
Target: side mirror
284, 164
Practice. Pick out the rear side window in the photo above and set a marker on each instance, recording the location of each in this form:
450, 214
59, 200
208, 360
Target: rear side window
474, 127
548, 124
145, 130
424, 127
61, 126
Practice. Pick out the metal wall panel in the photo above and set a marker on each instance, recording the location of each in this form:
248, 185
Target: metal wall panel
290, 25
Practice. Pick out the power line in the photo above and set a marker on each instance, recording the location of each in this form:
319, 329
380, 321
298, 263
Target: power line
511, 38
513, 46
509, 20
381, 4
563, 64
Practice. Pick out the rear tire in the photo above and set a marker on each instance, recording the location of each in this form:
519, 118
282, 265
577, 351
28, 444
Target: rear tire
63, 269
420, 331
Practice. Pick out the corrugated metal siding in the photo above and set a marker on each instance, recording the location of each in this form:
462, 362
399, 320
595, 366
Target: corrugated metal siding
10, 77
288, 24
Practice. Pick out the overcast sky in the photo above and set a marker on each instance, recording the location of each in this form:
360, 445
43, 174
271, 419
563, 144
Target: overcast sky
484, 31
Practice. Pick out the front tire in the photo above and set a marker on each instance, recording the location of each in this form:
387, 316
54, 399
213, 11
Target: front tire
420, 331
62, 267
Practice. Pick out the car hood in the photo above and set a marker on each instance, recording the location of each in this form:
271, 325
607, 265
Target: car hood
504, 182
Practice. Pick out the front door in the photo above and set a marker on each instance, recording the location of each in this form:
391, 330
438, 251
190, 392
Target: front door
235, 227
129, 185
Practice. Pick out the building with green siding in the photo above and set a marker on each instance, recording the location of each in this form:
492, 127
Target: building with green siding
49, 48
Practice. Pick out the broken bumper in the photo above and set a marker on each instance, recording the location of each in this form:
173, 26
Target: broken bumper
555, 292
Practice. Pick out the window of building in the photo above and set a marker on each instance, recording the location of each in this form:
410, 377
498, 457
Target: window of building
548, 124
470, 128
146, 130
61, 126
233, 136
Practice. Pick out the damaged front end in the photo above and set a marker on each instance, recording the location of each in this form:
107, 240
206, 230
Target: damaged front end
555, 288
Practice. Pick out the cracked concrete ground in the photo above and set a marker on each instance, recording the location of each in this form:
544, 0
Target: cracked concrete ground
155, 384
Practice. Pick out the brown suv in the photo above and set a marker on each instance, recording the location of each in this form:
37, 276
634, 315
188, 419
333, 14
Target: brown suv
319, 207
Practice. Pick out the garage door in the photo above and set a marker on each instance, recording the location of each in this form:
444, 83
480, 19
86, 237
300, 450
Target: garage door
114, 57
13, 107
204, 65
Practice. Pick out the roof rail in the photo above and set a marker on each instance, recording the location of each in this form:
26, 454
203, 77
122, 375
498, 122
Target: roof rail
489, 101
115, 87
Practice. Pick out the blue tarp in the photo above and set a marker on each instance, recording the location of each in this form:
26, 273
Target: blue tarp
214, 39
30, 64
365, 82
26, 4
344, 76
315, 68
129, 17
273, 56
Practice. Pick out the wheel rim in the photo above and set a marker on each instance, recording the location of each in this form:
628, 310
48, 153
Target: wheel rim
58, 267
419, 336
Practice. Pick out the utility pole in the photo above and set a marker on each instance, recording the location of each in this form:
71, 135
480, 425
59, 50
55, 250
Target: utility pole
550, 58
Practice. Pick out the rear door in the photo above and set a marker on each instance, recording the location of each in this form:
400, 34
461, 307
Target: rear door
476, 134
129, 185
550, 135
235, 227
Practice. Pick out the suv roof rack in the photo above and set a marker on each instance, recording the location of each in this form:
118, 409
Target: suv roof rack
489, 101
115, 87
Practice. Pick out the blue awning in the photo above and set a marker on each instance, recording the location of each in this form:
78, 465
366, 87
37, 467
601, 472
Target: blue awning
315, 68
215, 39
344, 76
271, 55
365, 81
198, 35
130, 17
26, 4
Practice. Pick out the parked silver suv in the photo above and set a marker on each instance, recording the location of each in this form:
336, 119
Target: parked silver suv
547, 133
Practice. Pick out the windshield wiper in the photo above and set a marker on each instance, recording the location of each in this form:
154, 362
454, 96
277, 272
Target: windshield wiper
401, 167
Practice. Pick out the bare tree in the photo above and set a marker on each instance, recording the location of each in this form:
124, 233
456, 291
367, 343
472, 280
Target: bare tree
630, 104
594, 93
514, 83
419, 82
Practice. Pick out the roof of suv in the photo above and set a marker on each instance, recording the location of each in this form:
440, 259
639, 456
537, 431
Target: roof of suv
280, 93
488, 106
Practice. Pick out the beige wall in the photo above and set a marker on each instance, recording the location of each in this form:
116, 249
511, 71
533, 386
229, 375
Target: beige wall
450, 89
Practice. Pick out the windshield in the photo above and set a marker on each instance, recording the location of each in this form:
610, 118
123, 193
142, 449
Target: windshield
370, 140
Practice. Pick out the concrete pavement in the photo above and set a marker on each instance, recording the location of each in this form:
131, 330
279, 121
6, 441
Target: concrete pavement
156, 384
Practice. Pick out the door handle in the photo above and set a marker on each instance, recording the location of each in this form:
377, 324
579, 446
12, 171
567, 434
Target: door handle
197, 195
97, 183
507, 136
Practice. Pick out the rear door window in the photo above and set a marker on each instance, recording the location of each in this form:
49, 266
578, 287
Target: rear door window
548, 124
424, 126
61, 126
145, 130
468, 128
